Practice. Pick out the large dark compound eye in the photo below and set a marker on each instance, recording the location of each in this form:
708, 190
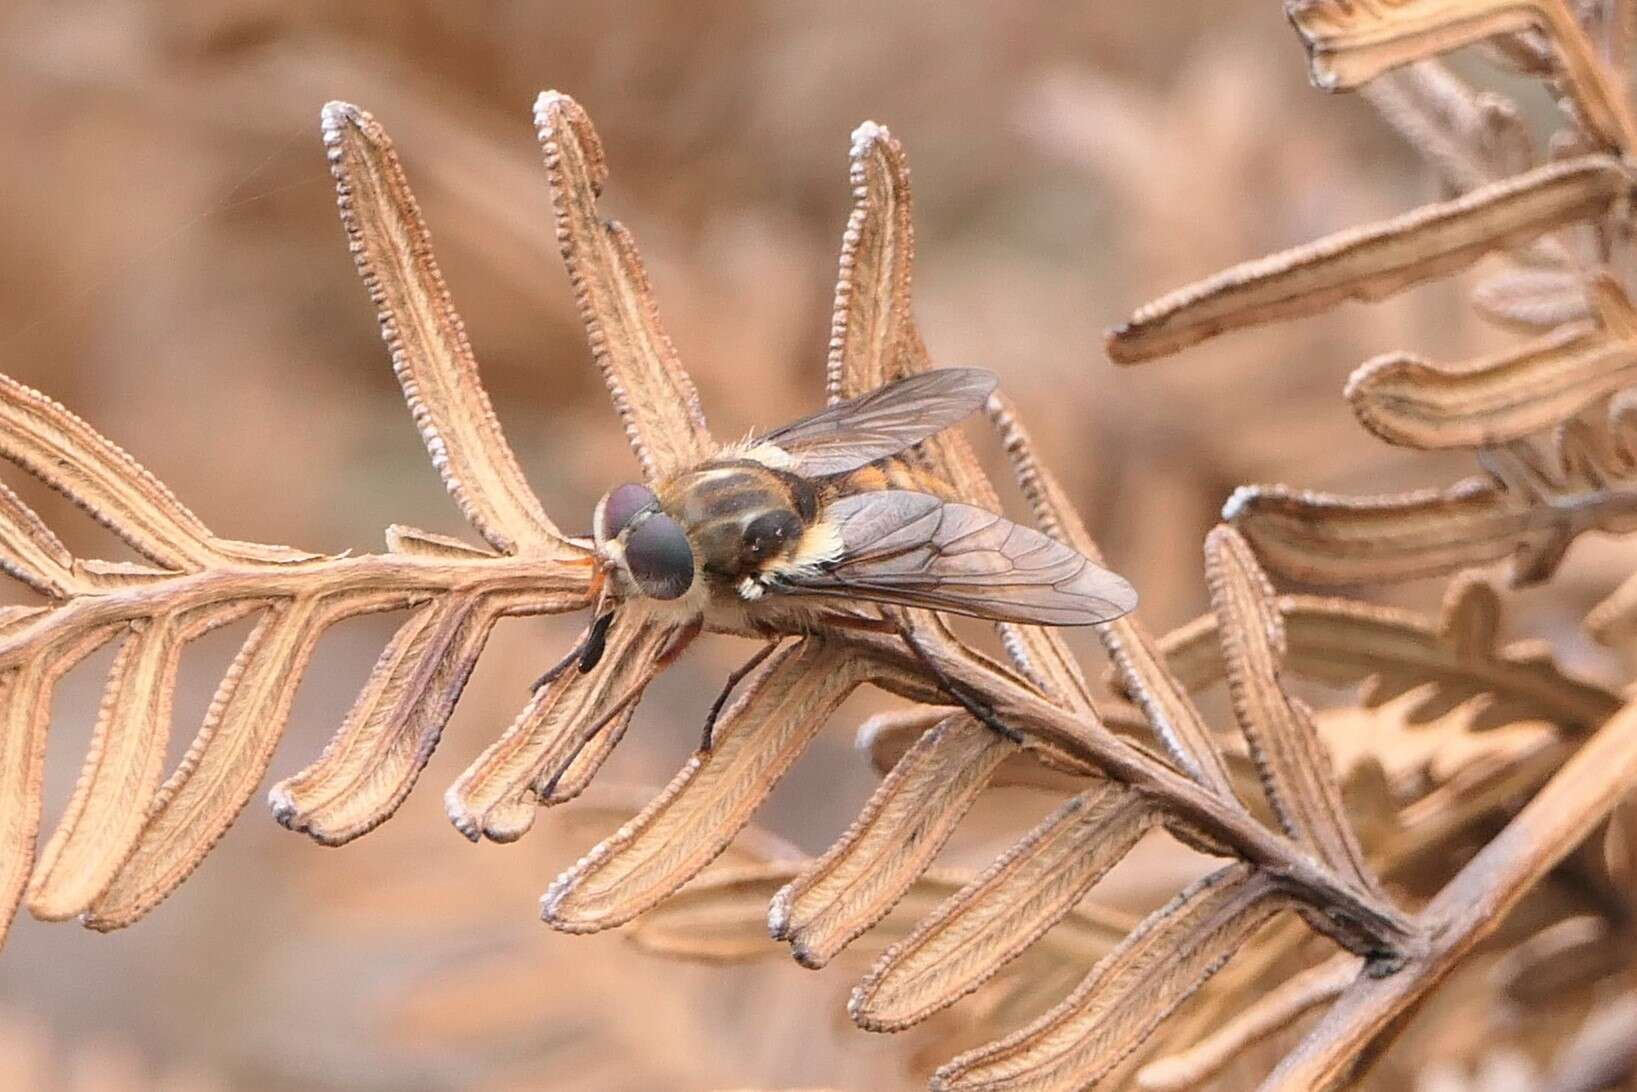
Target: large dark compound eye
616, 511
659, 557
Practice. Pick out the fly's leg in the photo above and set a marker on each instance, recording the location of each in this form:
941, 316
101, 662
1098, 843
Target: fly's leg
587, 652
733, 681
679, 644
979, 709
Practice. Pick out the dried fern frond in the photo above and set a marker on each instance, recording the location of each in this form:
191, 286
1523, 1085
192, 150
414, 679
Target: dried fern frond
127, 840
1452, 662
1561, 391
991, 716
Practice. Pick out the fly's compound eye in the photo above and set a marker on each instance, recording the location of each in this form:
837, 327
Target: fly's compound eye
616, 511
769, 533
659, 558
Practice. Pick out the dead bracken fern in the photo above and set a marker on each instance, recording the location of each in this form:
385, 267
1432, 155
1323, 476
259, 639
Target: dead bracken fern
1549, 420
128, 839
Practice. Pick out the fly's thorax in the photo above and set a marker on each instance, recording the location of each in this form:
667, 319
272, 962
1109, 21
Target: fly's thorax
740, 514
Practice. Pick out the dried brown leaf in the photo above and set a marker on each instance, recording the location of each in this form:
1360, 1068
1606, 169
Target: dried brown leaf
1324, 538
874, 340
30, 551
497, 796
1351, 43
25, 712
1126, 996
722, 917
1170, 713
888, 737
1471, 906
70, 456
1264, 1016
1373, 261
223, 765
894, 839
1343, 642
651, 391
1294, 765
1493, 399
1003, 910
124, 761
783, 705
372, 762
427, 340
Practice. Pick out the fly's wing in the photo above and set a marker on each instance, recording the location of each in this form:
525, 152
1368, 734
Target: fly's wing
914, 550
883, 422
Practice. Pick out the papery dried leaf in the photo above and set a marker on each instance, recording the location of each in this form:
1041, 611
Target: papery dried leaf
427, 340
1266, 1015
874, 341
1294, 765
1535, 299
413, 540
722, 917
1323, 538
1126, 996
123, 764
1373, 261
25, 712
30, 551
1343, 642
222, 767
1169, 712
1351, 43
889, 736
497, 796
782, 706
1003, 910
651, 391
372, 762
893, 840
1471, 906
1493, 399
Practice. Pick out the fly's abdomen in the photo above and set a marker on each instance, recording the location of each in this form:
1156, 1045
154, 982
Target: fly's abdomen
892, 474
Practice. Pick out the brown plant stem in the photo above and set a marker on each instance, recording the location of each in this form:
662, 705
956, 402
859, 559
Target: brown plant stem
549, 583
1361, 922
1470, 907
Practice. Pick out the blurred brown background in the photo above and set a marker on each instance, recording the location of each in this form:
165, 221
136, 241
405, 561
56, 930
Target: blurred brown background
172, 270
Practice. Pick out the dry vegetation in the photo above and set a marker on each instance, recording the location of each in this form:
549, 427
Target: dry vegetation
1302, 841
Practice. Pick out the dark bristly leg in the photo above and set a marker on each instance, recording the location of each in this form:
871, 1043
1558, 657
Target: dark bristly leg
595, 641
561, 666
679, 644
738, 676
586, 652
972, 705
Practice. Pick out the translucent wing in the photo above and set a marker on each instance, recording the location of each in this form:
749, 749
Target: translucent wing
915, 550
883, 422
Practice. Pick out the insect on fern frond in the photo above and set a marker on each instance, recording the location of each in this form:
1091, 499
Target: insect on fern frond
1028, 715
